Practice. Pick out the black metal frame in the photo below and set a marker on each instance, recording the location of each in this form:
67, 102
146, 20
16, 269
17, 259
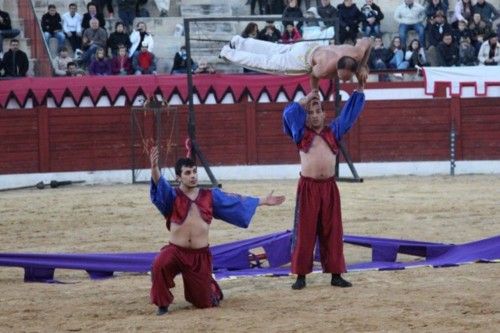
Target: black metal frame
195, 149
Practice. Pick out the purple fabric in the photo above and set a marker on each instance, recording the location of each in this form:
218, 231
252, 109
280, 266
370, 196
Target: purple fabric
235, 259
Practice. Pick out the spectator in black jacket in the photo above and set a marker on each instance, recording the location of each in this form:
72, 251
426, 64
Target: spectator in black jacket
90, 14
448, 51
327, 11
292, 12
438, 29
269, 33
432, 7
350, 17
380, 57
52, 27
372, 15
461, 32
15, 61
487, 11
467, 53
6, 30
117, 38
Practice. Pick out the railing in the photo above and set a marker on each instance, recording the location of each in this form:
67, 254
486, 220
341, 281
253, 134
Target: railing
32, 30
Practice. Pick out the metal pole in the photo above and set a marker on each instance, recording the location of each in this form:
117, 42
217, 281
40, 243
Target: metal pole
452, 149
191, 120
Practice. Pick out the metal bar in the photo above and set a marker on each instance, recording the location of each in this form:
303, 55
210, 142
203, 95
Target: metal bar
259, 18
191, 115
452, 149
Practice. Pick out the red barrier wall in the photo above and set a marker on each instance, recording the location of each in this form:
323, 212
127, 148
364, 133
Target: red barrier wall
49, 139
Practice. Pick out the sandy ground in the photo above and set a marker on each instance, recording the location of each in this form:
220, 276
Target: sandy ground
120, 218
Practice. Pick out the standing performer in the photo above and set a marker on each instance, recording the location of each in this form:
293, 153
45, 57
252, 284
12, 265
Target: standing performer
189, 211
319, 61
317, 212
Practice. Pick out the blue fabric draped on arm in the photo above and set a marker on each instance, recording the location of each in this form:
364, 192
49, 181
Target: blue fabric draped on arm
162, 195
350, 112
233, 208
294, 121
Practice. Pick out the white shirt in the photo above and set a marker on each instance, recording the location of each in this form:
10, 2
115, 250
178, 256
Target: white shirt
72, 23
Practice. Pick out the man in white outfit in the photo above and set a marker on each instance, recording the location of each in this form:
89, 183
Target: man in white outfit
320, 62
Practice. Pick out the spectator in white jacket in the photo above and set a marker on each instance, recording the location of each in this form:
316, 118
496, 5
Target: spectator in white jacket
489, 53
72, 27
60, 63
410, 15
138, 36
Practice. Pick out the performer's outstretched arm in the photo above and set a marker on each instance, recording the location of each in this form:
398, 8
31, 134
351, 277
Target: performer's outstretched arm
350, 112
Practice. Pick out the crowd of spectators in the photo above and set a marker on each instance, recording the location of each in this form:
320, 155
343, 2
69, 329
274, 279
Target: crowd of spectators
464, 35
469, 38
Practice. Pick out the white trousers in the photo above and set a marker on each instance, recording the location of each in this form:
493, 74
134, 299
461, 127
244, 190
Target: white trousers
267, 57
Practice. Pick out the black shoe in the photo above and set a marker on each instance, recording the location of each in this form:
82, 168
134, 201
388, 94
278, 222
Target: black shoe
162, 310
338, 281
300, 283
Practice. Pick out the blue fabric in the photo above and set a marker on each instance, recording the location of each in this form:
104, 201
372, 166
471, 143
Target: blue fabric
162, 195
294, 118
350, 112
233, 208
294, 121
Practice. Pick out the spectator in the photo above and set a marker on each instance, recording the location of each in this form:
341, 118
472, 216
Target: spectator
100, 65
60, 63
73, 70
140, 10
105, 3
1, 68
327, 11
463, 11
467, 53
489, 53
52, 26
72, 27
180, 62
121, 64
15, 61
250, 31
487, 11
312, 29
163, 6
349, 19
438, 29
292, 12
6, 30
448, 51
144, 62
138, 36
92, 14
262, 8
126, 12
372, 15
410, 15
461, 32
432, 7
479, 30
415, 55
269, 33
276, 7
117, 38
291, 34
397, 54
204, 68
93, 38
379, 57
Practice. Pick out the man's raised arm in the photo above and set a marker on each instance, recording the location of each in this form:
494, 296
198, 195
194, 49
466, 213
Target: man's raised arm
365, 44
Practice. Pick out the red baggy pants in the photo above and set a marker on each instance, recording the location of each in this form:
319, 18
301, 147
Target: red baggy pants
317, 216
195, 265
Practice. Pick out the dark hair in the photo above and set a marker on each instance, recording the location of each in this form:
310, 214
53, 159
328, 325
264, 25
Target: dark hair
72, 4
348, 63
62, 48
119, 23
51, 6
71, 63
183, 162
14, 40
91, 4
249, 29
